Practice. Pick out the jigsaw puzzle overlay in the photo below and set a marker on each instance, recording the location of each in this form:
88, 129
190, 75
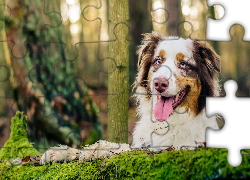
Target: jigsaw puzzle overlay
98, 84
226, 137
233, 15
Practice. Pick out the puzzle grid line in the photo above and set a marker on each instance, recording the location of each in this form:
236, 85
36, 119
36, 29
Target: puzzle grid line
46, 13
77, 48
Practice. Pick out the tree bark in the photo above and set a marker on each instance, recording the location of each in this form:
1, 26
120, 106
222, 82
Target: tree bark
118, 80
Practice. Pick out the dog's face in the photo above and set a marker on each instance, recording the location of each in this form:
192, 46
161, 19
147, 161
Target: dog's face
181, 73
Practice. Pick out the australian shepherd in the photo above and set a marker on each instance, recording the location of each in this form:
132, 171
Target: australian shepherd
175, 76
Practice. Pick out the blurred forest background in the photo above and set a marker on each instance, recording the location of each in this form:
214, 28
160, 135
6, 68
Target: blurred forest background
53, 61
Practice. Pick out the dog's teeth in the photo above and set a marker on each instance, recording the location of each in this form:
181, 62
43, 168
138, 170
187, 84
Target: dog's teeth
176, 97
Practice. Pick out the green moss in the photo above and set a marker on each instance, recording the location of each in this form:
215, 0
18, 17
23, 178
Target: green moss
18, 144
140, 164
203, 163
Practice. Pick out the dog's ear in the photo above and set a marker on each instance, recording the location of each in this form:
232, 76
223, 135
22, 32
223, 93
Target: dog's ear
149, 43
145, 55
205, 56
208, 66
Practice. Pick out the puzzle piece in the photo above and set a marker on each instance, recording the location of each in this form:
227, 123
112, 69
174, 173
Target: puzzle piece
19, 45
6, 71
191, 159
191, 13
236, 69
234, 13
228, 137
5, 12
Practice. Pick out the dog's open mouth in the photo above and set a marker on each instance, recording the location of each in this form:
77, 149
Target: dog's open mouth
166, 105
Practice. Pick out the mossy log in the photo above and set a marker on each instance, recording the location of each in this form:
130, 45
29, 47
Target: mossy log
140, 164
203, 163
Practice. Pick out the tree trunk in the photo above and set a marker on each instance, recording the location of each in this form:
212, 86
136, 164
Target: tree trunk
118, 80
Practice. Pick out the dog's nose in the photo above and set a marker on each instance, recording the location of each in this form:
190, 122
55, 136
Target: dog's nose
161, 84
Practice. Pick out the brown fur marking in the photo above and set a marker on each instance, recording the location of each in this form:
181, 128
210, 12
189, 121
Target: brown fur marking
179, 56
192, 96
162, 53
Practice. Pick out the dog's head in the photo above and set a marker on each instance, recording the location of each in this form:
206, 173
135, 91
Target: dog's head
181, 73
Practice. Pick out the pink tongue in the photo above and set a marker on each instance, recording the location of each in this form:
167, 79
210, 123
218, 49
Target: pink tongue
162, 109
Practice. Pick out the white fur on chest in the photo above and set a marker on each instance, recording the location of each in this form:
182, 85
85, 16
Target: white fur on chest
178, 130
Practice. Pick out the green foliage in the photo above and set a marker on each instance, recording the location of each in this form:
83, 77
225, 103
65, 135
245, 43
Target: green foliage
53, 85
141, 164
18, 144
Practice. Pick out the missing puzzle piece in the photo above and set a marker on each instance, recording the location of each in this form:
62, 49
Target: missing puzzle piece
235, 133
234, 13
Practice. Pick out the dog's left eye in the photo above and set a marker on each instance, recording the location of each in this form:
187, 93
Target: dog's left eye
183, 65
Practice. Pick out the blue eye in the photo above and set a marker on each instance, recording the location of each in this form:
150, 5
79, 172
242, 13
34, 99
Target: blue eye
183, 65
158, 61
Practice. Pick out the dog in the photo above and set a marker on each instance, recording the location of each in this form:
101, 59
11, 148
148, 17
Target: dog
174, 77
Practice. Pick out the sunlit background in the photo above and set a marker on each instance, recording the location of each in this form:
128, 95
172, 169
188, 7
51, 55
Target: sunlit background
83, 28
192, 10
86, 37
